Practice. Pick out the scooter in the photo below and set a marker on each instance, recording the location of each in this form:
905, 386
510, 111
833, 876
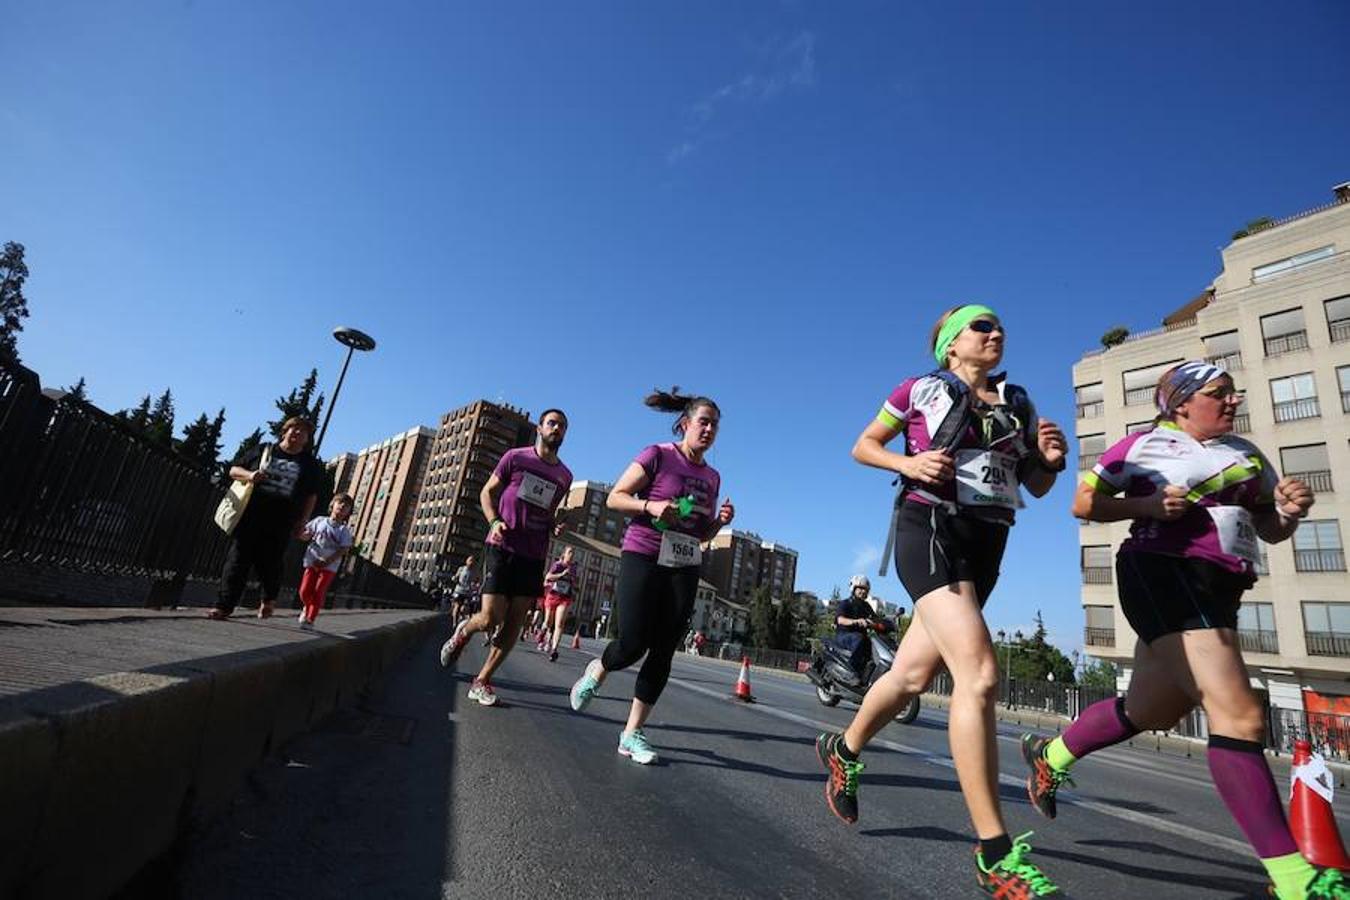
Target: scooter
835, 679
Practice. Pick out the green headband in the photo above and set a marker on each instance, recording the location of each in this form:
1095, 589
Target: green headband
953, 326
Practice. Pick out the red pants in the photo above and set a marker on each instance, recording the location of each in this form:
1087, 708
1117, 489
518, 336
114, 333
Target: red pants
313, 585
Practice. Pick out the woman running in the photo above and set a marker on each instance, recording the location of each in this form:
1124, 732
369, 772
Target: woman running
557, 598
970, 439
671, 492
1198, 497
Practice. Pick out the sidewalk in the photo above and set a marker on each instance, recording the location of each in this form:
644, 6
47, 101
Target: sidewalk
121, 727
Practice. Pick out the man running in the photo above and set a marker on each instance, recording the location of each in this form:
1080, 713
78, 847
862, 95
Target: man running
466, 586
520, 502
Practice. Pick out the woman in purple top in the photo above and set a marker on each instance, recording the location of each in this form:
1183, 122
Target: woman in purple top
671, 493
1197, 497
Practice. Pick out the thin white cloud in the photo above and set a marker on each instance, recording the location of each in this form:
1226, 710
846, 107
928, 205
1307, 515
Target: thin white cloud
864, 558
782, 65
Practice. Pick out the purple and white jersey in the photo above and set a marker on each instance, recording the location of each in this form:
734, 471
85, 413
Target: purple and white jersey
671, 475
1228, 479
989, 455
534, 488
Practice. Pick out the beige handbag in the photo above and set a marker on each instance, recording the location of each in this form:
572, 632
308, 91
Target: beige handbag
235, 501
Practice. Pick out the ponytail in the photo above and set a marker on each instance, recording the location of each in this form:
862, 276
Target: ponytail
672, 401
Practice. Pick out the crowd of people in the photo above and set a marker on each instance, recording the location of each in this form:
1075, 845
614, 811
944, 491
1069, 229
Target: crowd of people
1197, 496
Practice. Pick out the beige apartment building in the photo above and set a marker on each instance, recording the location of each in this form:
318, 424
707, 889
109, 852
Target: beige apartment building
447, 524
586, 513
384, 480
1278, 318
737, 562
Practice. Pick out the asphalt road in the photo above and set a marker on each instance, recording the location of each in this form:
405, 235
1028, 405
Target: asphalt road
427, 794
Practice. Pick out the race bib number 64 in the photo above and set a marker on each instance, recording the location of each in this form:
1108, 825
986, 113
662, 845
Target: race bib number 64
537, 491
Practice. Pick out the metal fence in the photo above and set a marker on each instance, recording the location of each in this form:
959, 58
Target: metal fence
79, 490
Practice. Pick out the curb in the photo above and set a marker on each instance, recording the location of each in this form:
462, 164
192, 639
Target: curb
99, 777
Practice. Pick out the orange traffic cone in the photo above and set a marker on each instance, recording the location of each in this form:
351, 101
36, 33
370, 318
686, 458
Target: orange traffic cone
743, 683
576, 639
1310, 816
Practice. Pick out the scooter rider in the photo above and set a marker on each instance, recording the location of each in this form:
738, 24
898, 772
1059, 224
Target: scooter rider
854, 618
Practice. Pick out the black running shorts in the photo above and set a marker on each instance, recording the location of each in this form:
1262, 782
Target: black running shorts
511, 575
934, 548
1166, 594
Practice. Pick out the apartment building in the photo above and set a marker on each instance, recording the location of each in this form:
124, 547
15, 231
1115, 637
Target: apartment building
1278, 318
736, 562
586, 514
384, 480
447, 524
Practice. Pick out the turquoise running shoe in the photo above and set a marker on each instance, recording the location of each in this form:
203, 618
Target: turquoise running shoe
585, 688
633, 744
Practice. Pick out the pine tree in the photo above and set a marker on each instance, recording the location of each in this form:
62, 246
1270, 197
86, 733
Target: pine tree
13, 304
139, 418
77, 391
159, 426
248, 443
201, 440
298, 403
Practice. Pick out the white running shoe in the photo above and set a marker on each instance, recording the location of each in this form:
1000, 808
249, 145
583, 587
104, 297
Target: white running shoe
452, 648
483, 693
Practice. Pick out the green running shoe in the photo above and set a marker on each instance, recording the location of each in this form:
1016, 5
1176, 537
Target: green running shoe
633, 744
1014, 876
841, 789
1327, 884
1043, 780
585, 687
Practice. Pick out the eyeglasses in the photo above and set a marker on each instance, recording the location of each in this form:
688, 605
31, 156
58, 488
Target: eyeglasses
985, 326
1224, 393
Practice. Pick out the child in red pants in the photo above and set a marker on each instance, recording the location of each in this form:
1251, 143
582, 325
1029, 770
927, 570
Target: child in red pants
329, 541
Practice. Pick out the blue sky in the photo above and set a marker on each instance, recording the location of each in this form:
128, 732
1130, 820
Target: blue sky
568, 204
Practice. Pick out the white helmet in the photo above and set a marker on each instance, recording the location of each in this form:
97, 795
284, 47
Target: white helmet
859, 581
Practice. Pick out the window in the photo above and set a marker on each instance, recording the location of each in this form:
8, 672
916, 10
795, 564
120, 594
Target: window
1089, 400
1338, 318
1242, 420
1326, 627
1100, 630
1136, 427
1096, 564
1256, 628
1295, 397
1290, 263
1284, 332
1343, 378
1309, 463
1224, 350
1090, 449
1317, 546
1139, 384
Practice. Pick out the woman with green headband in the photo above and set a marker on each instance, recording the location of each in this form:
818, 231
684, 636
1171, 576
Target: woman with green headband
970, 440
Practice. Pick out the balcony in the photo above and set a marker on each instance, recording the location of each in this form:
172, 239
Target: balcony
1230, 362
1096, 575
1327, 643
1140, 396
1293, 410
1320, 481
1099, 637
1319, 560
1340, 330
1258, 641
1242, 423
1088, 460
1287, 343
1090, 410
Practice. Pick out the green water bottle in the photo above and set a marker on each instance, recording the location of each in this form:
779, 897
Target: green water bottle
684, 504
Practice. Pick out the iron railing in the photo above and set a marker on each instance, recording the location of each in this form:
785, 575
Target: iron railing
1231, 362
1242, 423
1286, 343
1099, 637
1293, 410
1319, 481
1088, 460
1329, 734
1140, 396
1096, 575
1340, 330
1259, 641
1091, 410
1327, 643
1319, 560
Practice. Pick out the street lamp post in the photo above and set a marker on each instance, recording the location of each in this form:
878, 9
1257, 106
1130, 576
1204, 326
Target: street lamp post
354, 340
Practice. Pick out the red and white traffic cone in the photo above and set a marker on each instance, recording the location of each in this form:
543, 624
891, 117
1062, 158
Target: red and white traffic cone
743, 683
1310, 816
576, 639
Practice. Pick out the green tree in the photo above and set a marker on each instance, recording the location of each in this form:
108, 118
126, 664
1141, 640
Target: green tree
137, 419
13, 304
77, 391
248, 443
299, 402
1253, 227
1114, 336
763, 618
1098, 674
201, 440
159, 425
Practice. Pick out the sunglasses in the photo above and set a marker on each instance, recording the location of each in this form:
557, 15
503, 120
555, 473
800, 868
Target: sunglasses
984, 326
1223, 393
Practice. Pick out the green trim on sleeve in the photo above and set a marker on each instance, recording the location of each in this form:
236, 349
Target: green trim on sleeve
887, 418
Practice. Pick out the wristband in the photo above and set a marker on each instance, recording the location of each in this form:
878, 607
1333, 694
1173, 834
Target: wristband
493, 523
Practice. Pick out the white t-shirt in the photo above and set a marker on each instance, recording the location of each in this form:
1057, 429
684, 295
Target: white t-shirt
327, 537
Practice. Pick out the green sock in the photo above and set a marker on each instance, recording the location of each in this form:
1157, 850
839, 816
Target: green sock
1058, 755
1291, 874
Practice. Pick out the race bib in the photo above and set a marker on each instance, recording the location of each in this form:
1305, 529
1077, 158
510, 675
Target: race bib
1237, 532
537, 491
679, 550
986, 478
562, 588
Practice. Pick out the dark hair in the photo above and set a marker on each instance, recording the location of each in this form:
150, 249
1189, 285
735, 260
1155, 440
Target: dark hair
345, 496
552, 409
299, 422
672, 401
